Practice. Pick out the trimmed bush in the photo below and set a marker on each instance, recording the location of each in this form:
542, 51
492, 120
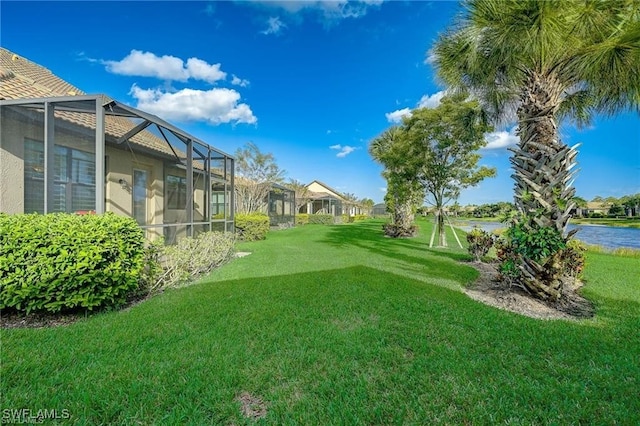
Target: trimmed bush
321, 219
252, 226
302, 219
191, 258
360, 217
480, 242
60, 262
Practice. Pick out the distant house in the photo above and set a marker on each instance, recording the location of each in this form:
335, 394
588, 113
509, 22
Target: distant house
380, 209
597, 207
64, 151
325, 200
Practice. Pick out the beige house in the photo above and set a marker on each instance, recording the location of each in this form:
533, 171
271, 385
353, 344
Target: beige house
64, 151
325, 200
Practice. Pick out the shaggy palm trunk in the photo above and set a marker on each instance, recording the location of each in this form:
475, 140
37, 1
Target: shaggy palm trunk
543, 171
403, 216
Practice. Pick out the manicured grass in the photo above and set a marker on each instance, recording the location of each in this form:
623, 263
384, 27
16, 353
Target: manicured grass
338, 325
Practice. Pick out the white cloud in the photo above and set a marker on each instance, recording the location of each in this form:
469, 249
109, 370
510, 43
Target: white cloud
274, 26
214, 106
383, 189
397, 115
329, 11
501, 139
344, 150
147, 64
237, 81
431, 101
200, 70
427, 101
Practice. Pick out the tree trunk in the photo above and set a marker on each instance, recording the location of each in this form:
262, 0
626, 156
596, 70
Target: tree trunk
440, 227
543, 173
403, 216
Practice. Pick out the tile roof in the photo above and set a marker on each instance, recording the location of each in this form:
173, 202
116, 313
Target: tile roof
21, 78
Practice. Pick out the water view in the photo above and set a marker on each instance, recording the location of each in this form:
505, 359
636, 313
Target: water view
606, 236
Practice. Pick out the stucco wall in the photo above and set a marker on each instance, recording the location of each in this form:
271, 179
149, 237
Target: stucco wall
316, 187
12, 134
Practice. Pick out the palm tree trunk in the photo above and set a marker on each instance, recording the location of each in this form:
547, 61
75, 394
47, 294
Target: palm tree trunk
543, 173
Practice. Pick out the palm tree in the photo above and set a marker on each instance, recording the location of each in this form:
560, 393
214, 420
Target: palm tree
545, 60
403, 195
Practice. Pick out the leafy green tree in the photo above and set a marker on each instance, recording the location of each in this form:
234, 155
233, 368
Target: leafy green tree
544, 60
440, 151
301, 192
616, 210
256, 172
350, 203
404, 195
367, 204
632, 204
580, 204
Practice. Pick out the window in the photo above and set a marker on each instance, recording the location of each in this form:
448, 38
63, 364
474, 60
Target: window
139, 193
176, 192
74, 184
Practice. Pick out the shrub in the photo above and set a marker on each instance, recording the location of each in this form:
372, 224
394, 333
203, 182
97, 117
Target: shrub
60, 262
252, 226
536, 244
321, 219
480, 242
360, 217
508, 260
302, 219
193, 257
572, 257
627, 252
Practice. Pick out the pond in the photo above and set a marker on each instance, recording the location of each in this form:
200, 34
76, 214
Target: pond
606, 236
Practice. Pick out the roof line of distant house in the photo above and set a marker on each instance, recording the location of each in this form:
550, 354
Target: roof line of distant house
326, 186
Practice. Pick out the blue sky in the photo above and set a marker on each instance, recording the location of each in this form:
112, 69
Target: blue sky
310, 82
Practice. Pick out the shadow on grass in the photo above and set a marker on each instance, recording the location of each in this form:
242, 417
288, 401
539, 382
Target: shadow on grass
370, 236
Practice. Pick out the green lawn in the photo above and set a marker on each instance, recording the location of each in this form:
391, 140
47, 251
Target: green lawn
338, 325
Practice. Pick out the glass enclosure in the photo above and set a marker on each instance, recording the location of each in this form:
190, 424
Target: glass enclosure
84, 154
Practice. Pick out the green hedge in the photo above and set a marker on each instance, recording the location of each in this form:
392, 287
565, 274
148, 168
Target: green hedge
252, 226
321, 219
59, 262
302, 219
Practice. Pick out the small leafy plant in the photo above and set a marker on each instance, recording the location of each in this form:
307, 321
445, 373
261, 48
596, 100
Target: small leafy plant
480, 242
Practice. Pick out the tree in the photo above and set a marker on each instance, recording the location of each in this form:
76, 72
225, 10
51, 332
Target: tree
580, 204
367, 204
256, 173
631, 204
350, 202
403, 195
440, 151
301, 191
545, 61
